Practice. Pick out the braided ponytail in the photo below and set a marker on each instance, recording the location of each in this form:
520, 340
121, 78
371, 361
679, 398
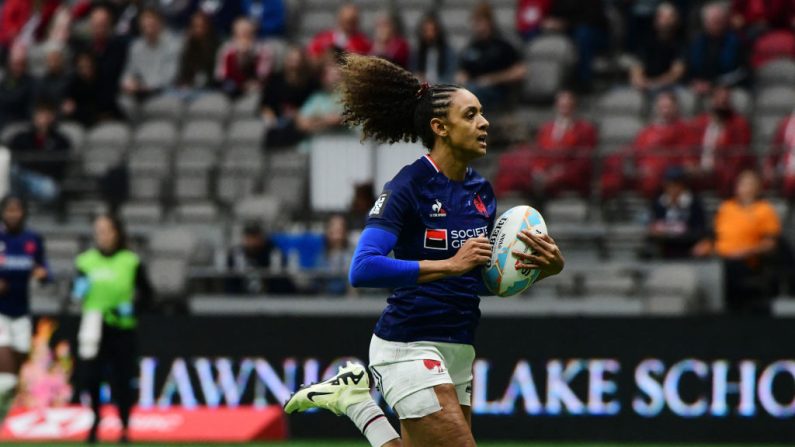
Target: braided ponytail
389, 102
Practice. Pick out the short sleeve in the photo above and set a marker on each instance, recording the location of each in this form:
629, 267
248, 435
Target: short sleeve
770, 225
391, 208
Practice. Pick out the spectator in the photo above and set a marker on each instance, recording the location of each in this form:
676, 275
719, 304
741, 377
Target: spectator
83, 104
489, 64
661, 144
434, 61
677, 218
52, 87
40, 153
269, 16
638, 18
322, 112
530, 14
715, 54
586, 22
661, 62
178, 14
222, 13
747, 230
361, 204
242, 62
16, 88
152, 62
284, 94
197, 62
780, 164
255, 256
24, 21
109, 52
722, 143
337, 257
753, 18
389, 42
346, 36
560, 161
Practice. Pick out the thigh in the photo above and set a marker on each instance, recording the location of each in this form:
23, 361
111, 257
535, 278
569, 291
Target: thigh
445, 428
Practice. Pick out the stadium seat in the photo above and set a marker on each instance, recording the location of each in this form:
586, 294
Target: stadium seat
314, 21
288, 160
553, 47
687, 102
75, 133
109, 134
163, 107
141, 213
243, 159
457, 20
97, 160
245, 132
246, 107
775, 100
154, 161
156, 133
623, 102
206, 133
210, 106
742, 101
265, 209
12, 129
672, 280
764, 128
232, 185
290, 188
566, 210
777, 72
199, 212
172, 241
169, 276
619, 130
543, 80
192, 160
191, 186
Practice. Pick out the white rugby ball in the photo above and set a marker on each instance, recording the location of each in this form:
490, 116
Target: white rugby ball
500, 273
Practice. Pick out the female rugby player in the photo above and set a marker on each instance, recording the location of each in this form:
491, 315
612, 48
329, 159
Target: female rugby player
435, 215
21, 258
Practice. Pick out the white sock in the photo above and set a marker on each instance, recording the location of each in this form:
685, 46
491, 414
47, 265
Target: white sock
371, 421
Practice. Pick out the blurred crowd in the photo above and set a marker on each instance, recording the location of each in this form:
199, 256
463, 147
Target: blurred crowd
85, 61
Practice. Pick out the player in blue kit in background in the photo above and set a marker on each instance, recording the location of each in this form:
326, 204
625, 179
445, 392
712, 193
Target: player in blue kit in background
21, 258
435, 215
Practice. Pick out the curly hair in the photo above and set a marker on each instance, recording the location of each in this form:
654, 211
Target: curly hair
390, 103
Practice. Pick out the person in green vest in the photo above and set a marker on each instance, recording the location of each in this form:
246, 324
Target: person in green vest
112, 285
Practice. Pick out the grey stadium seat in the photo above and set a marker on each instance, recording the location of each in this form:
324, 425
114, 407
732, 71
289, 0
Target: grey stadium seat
206, 133
246, 107
247, 132
109, 134
687, 102
775, 100
258, 208
75, 133
232, 186
12, 129
211, 106
168, 276
151, 161
619, 130
457, 20
163, 107
742, 102
243, 159
543, 80
200, 213
97, 160
764, 129
192, 186
288, 187
172, 241
566, 210
200, 159
141, 213
156, 133
551, 47
777, 72
625, 101
314, 21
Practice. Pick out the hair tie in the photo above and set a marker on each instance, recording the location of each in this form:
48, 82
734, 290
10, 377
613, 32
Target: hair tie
423, 88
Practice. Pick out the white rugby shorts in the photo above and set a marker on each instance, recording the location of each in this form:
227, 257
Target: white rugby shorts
405, 373
15, 333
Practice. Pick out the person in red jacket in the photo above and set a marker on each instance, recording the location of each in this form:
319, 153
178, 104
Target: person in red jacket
721, 145
560, 160
346, 36
16, 15
753, 17
530, 14
780, 164
658, 146
243, 63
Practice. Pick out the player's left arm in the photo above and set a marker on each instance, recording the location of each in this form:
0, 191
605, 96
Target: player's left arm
545, 255
41, 270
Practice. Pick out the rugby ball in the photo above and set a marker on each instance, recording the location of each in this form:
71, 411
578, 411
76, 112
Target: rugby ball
500, 273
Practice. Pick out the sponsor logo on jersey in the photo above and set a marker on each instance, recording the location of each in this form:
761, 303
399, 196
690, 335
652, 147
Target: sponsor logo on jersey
380, 204
480, 206
30, 247
433, 365
436, 239
11, 262
458, 237
438, 210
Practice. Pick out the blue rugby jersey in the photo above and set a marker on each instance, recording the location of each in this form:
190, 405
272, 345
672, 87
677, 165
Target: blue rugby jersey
19, 254
432, 216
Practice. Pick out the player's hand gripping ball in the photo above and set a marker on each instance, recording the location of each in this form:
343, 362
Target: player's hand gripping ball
501, 274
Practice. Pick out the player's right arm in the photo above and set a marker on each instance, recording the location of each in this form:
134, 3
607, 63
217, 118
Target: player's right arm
372, 266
